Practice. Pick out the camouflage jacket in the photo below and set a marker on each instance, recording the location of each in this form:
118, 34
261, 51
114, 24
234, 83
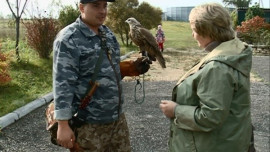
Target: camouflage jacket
76, 50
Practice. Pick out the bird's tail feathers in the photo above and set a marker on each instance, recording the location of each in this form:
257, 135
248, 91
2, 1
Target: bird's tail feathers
161, 61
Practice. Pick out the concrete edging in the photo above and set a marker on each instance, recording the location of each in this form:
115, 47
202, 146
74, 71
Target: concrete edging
22, 111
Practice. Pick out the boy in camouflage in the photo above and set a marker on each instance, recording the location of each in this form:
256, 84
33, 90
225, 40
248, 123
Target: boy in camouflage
76, 50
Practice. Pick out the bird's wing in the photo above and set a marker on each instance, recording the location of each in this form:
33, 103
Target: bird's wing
151, 46
149, 37
134, 40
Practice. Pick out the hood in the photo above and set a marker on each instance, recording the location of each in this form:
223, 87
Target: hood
234, 53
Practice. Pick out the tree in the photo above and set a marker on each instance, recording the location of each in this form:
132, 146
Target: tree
17, 17
237, 3
121, 10
149, 16
118, 13
254, 11
68, 15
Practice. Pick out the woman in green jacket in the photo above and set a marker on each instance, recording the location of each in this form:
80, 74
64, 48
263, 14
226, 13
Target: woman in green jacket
210, 107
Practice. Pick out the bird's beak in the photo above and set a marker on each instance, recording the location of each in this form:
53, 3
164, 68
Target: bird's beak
126, 21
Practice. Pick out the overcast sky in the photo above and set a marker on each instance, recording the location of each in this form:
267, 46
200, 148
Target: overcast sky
45, 5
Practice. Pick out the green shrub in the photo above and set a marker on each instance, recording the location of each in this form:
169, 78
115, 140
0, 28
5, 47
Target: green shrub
266, 35
31, 77
68, 15
254, 11
234, 17
40, 34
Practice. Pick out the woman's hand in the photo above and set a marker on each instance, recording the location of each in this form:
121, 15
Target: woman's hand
167, 107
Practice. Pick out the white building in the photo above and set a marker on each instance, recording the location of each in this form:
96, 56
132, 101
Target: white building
177, 14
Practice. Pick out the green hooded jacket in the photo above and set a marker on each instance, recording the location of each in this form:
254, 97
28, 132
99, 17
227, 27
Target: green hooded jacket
213, 111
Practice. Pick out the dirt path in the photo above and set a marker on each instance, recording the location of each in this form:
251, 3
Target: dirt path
149, 128
177, 62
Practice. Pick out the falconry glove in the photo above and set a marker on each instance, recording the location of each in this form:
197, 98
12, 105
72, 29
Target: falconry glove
134, 68
142, 64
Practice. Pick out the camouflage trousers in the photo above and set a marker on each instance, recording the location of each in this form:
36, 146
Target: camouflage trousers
112, 137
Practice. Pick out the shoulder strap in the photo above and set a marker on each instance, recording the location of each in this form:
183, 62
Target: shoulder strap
100, 58
108, 53
93, 84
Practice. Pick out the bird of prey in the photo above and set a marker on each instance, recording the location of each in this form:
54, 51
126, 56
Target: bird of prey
145, 41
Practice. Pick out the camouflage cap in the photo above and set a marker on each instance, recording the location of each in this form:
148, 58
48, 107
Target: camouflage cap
89, 1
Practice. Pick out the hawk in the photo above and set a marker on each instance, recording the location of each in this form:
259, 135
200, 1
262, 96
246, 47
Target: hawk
145, 41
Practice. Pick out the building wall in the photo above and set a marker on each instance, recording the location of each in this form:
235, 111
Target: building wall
178, 13
182, 13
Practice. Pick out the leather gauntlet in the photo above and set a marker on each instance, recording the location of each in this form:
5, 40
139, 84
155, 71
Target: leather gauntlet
135, 68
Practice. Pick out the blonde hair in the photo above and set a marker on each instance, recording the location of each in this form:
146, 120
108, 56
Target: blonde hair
212, 20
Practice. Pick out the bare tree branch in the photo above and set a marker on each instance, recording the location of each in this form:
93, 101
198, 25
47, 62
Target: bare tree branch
11, 9
17, 17
17, 7
23, 8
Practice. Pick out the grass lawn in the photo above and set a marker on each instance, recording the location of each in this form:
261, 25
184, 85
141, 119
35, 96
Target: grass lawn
178, 35
32, 76
7, 29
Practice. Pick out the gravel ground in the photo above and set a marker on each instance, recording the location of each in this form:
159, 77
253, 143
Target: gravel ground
149, 129
260, 105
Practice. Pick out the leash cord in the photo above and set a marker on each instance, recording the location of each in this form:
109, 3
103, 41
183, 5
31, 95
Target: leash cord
141, 86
